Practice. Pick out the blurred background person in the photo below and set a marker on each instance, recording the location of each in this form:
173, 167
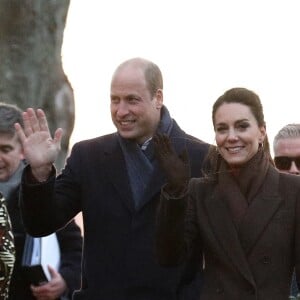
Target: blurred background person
286, 147
63, 281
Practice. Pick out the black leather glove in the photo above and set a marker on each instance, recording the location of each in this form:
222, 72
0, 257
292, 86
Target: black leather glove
176, 167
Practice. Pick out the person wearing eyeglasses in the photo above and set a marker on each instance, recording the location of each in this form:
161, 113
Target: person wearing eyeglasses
286, 146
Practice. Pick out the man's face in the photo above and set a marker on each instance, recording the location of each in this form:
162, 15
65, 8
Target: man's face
134, 112
10, 155
287, 155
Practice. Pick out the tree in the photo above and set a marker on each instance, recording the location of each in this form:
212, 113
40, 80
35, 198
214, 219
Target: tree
31, 72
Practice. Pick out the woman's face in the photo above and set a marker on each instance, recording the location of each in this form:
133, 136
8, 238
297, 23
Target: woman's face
237, 133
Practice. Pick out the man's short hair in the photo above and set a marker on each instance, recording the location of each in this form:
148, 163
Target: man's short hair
287, 131
9, 115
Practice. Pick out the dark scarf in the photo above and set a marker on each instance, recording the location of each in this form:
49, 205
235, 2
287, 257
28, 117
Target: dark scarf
139, 163
239, 190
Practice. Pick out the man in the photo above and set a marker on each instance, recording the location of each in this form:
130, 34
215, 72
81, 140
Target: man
286, 146
64, 281
287, 149
115, 181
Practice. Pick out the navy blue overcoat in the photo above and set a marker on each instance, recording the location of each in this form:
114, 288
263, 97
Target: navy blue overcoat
119, 260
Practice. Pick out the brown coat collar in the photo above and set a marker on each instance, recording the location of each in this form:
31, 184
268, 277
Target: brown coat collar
238, 245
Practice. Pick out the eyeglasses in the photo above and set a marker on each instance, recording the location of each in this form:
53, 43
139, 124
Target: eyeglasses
285, 162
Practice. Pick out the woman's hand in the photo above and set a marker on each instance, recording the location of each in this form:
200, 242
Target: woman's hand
176, 167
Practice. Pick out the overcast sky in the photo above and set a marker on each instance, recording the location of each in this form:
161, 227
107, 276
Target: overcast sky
202, 47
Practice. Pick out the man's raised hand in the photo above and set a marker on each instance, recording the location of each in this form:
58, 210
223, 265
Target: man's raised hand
40, 149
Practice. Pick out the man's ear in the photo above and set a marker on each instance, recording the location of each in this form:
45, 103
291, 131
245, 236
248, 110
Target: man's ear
159, 96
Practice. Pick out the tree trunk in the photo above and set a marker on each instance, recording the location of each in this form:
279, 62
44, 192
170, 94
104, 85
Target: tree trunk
31, 73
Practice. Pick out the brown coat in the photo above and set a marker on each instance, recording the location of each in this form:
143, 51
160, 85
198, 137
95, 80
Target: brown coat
254, 263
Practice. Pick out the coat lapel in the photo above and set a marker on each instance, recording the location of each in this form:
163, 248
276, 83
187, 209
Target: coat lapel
154, 187
226, 233
117, 174
261, 210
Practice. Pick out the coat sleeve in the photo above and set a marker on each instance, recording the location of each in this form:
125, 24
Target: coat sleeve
70, 242
176, 234
170, 230
50, 205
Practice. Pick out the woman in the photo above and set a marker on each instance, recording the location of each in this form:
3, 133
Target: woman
7, 250
244, 214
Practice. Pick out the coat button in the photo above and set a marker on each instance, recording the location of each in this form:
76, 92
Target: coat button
266, 260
